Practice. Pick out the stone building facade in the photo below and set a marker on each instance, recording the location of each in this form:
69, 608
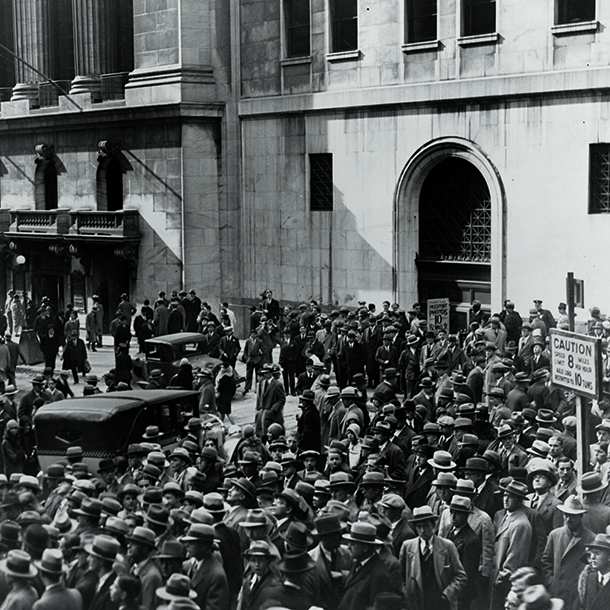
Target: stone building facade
340, 150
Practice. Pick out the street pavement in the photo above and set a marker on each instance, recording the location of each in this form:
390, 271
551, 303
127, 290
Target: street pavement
102, 360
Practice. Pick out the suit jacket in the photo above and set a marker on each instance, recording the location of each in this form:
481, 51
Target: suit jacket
253, 597
469, 550
59, 597
421, 399
101, 600
539, 393
450, 575
512, 544
590, 598
230, 548
402, 531
354, 359
361, 586
418, 487
561, 562
475, 381
151, 579
562, 492
488, 500
394, 459
547, 509
331, 586
544, 362
210, 584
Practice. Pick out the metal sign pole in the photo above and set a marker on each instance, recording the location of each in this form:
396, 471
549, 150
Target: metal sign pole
570, 299
582, 436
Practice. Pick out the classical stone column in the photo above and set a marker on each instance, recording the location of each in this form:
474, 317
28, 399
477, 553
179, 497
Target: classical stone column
32, 29
95, 44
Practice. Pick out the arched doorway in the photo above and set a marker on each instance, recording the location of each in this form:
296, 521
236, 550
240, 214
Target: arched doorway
449, 229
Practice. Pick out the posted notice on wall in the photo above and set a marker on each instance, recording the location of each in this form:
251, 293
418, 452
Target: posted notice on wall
576, 362
438, 314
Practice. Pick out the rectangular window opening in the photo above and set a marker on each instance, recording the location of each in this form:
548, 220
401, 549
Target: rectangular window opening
421, 20
297, 17
479, 17
321, 182
599, 179
344, 25
575, 11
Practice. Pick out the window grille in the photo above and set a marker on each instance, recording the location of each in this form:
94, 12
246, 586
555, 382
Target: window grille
321, 182
599, 179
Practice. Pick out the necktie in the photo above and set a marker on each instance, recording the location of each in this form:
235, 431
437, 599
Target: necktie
534, 502
426, 552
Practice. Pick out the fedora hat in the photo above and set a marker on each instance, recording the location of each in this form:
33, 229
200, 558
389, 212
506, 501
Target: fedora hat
157, 514
293, 563
9, 533
52, 562
194, 424
375, 479
604, 425
135, 449
199, 532
142, 535
389, 373
423, 513
460, 503
476, 463
572, 506
441, 460
539, 449
111, 506
18, 563
182, 454
158, 459
250, 457
591, 482
116, 526
151, 433
601, 541
213, 502
514, 487
104, 547
209, 453
412, 339
308, 395
328, 523
29, 482
363, 532
464, 487
297, 534
199, 515
171, 549
341, 479
171, 487
445, 479
246, 486
321, 487
259, 548
255, 517
177, 585
537, 597
463, 422
90, 507
505, 430
56, 472
546, 416
541, 466
295, 501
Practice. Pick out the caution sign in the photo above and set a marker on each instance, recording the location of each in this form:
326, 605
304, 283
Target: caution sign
576, 362
438, 314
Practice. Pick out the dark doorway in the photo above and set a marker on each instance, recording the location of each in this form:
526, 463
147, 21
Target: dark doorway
454, 259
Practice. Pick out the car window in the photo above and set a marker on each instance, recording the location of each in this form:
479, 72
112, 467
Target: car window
153, 352
185, 350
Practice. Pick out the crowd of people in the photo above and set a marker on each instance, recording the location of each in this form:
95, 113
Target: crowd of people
425, 470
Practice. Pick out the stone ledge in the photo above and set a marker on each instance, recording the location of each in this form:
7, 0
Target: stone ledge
580, 27
343, 56
418, 47
295, 61
471, 41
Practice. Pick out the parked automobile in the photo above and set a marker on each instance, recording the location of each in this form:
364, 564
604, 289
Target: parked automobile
104, 425
165, 353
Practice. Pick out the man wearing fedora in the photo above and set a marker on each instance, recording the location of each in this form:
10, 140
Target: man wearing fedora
385, 392
331, 559
513, 539
140, 549
17, 565
390, 455
368, 575
408, 365
56, 594
593, 583
207, 575
259, 577
591, 489
308, 423
420, 477
271, 399
433, 576
102, 553
565, 547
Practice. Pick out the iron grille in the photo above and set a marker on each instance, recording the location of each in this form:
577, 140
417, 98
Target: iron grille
455, 208
599, 179
321, 182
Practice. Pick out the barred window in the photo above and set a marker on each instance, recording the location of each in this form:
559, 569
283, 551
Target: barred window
321, 182
599, 179
344, 25
479, 17
298, 25
574, 11
421, 20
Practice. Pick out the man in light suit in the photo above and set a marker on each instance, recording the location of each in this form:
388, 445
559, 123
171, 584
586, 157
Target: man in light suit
432, 571
496, 335
270, 402
207, 575
513, 540
368, 575
332, 561
56, 594
561, 560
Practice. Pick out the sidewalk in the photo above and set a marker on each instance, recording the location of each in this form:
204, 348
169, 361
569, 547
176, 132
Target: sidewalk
102, 361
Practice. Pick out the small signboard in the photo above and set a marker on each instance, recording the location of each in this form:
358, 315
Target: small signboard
438, 314
576, 363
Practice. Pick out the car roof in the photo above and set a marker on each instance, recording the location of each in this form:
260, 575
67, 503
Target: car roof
111, 402
177, 338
